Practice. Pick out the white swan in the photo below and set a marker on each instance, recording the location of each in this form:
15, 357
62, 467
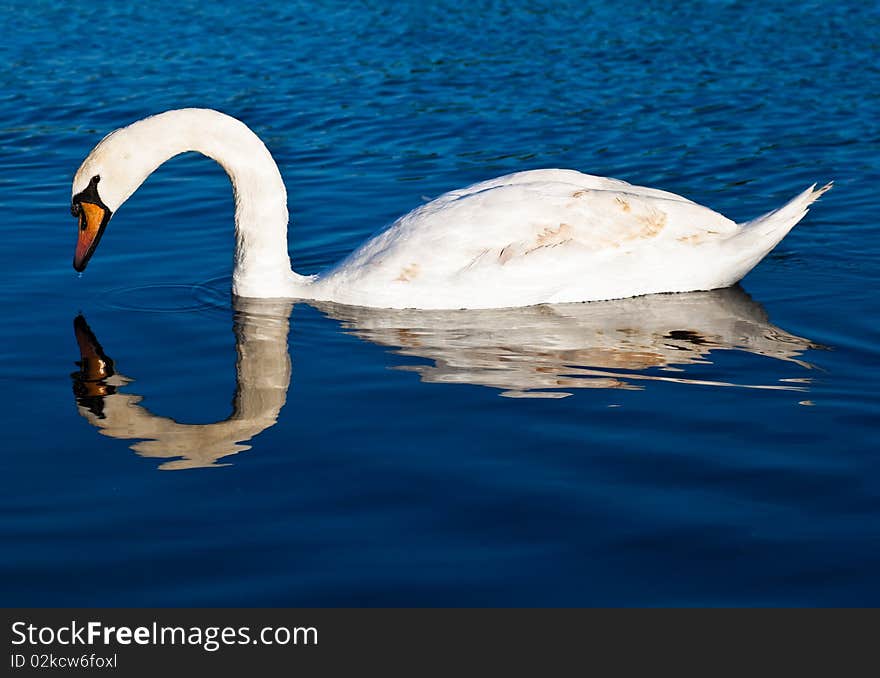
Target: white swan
542, 236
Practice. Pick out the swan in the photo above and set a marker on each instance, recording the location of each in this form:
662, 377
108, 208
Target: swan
533, 237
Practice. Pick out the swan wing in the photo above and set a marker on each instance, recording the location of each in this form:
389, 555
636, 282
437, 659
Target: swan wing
527, 236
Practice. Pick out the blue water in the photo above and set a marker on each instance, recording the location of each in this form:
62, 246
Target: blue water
714, 449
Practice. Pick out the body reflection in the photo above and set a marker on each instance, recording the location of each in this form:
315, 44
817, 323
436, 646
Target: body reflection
539, 351
262, 377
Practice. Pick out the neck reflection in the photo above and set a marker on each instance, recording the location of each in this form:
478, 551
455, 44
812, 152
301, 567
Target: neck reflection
262, 371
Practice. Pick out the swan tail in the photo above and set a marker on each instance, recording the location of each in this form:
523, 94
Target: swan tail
773, 226
754, 239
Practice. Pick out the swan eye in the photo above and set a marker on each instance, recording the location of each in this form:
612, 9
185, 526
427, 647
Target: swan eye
88, 194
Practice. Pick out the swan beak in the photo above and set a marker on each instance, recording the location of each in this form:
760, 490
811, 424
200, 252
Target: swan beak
92, 222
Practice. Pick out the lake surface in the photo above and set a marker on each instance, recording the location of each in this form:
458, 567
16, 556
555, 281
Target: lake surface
710, 449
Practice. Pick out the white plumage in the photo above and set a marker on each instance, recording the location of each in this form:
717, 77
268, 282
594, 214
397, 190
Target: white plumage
542, 236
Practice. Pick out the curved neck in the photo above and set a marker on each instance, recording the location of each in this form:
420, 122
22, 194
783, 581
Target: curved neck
262, 264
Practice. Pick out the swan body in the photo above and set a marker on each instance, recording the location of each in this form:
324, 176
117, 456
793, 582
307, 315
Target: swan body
541, 236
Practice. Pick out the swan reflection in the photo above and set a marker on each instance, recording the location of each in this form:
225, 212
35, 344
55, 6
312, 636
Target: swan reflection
539, 352
610, 344
262, 371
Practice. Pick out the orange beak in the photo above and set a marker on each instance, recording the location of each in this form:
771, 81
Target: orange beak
92, 222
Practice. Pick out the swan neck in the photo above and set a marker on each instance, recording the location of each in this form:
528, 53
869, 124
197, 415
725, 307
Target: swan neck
261, 263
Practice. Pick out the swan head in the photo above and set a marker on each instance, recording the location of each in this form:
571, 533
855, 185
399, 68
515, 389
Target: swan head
99, 189
108, 176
